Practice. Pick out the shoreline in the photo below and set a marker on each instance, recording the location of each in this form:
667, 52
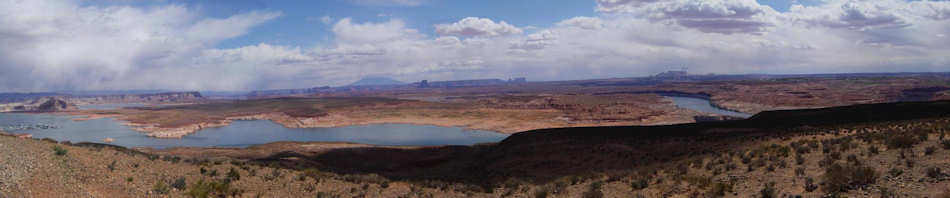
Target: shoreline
338, 120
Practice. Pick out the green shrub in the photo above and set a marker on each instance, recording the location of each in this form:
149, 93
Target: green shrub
179, 183
59, 150
841, 178
160, 187
902, 141
203, 189
233, 175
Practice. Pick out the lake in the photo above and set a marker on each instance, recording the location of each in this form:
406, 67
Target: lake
241, 133
703, 105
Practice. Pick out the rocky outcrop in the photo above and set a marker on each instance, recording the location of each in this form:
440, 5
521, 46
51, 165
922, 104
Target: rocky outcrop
142, 98
44, 104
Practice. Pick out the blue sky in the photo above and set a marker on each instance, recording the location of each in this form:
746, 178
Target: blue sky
300, 25
230, 45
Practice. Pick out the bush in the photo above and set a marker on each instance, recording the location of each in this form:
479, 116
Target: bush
799, 171
930, 150
640, 184
934, 172
768, 191
799, 159
204, 189
841, 178
720, 189
902, 141
160, 187
945, 144
111, 166
594, 191
59, 150
810, 185
873, 150
179, 183
894, 172
233, 175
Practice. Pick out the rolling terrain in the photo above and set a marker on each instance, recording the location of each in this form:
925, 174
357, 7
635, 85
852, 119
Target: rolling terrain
848, 151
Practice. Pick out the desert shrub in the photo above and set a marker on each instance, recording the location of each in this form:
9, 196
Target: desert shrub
894, 172
873, 150
934, 172
129, 179
179, 183
799, 159
910, 163
213, 173
902, 141
160, 187
204, 189
720, 189
945, 144
542, 192
368, 178
768, 191
930, 150
853, 159
233, 175
640, 183
327, 195
810, 185
800, 171
59, 150
887, 193
594, 191
835, 155
841, 178
111, 166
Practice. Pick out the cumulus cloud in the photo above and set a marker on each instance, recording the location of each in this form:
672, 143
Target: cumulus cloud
583, 22
474, 26
395, 29
51, 45
718, 16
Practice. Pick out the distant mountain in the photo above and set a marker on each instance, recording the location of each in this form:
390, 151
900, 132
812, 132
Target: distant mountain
375, 81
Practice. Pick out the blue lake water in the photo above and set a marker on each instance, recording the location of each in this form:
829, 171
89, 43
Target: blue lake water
241, 133
703, 105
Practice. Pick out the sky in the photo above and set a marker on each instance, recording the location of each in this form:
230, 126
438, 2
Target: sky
231, 45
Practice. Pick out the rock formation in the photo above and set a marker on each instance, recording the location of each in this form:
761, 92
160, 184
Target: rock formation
44, 104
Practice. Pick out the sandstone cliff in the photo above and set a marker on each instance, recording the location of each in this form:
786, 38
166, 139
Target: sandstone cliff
44, 104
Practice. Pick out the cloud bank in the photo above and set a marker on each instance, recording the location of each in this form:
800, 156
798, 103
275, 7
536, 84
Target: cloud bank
55, 45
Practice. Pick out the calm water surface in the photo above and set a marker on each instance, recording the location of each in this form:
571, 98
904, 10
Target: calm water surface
703, 105
241, 133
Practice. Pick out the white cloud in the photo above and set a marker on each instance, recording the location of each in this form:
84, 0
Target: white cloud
716, 16
583, 22
395, 29
47, 43
474, 26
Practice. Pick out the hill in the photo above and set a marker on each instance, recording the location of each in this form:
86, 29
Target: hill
375, 81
